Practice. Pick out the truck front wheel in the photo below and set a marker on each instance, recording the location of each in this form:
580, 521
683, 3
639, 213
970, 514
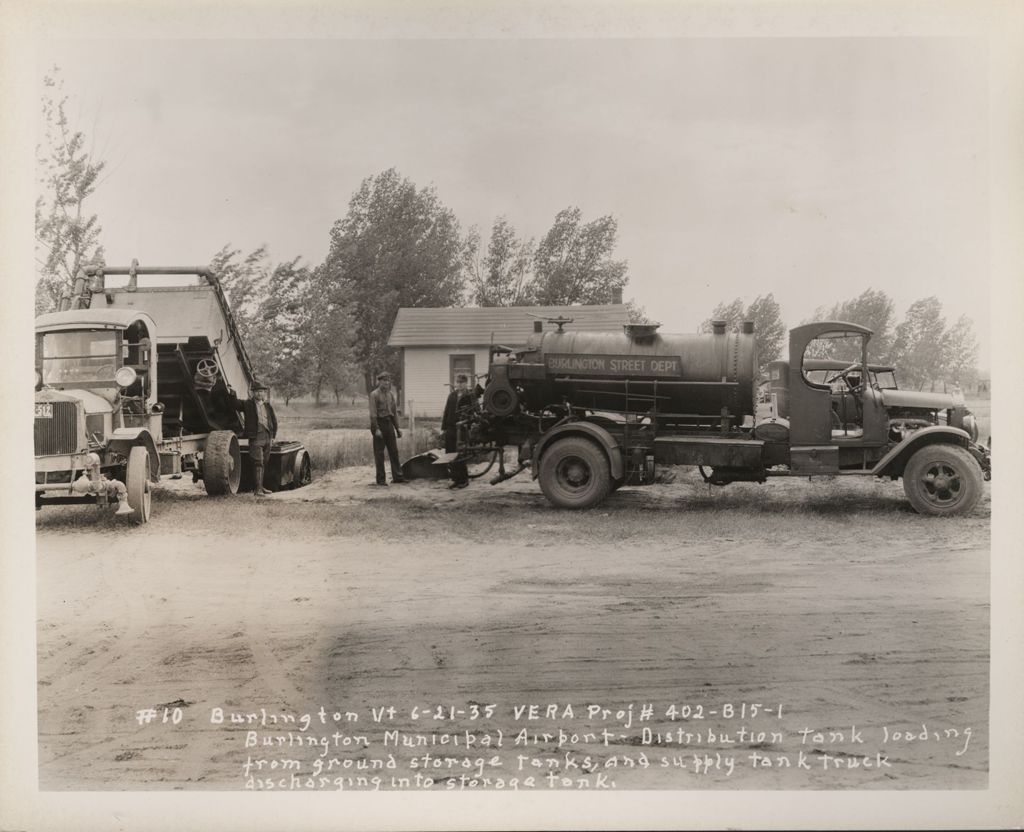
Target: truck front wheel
574, 473
943, 480
222, 463
137, 475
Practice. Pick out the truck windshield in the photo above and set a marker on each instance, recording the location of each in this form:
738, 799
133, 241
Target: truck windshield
886, 380
80, 356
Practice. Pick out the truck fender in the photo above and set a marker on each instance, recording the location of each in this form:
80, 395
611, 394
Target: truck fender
588, 429
895, 460
123, 440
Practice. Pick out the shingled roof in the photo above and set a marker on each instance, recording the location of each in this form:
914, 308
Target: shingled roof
510, 325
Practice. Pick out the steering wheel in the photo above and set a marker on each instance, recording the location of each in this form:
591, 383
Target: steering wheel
207, 368
842, 374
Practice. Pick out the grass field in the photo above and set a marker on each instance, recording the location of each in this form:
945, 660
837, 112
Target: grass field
337, 434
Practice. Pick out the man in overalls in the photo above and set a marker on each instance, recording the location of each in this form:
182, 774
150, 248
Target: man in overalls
384, 427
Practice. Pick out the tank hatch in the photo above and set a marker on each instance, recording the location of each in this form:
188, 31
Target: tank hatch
639, 332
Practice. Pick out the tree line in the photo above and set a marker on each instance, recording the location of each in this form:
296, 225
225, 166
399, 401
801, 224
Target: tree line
323, 328
923, 347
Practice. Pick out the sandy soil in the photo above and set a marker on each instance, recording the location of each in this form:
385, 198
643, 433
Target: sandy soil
866, 625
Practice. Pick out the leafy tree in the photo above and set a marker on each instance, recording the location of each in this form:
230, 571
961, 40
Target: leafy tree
733, 313
67, 234
918, 345
397, 246
280, 332
873, 309
272, 307
504, 276
245, 279
960, 353
573, 261
329, 341
636, 313
769, 330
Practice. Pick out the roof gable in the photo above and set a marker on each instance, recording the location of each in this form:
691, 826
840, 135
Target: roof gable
509, 325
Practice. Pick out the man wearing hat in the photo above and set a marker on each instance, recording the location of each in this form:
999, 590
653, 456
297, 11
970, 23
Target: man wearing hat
384, 427
260, 429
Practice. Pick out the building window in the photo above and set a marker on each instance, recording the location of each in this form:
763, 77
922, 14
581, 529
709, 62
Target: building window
461, 363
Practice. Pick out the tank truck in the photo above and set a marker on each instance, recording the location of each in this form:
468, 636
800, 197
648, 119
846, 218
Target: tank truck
590, 412
134, 383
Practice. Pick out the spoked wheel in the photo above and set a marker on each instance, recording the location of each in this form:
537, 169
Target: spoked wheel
943, 480
207, 368
574, 473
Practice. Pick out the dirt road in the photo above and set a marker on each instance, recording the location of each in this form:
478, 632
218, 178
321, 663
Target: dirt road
791, 635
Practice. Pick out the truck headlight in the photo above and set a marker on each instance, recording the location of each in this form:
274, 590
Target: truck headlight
125, 377
971, 426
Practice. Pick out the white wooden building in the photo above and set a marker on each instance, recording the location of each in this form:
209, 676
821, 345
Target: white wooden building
438, 343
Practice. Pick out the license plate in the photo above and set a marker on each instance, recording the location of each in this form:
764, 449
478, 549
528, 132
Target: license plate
44, 410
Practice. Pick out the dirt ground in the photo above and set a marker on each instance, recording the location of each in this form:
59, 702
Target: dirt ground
793, 635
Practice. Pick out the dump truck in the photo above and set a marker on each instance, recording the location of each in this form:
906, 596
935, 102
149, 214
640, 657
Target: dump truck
592, 411
139, 381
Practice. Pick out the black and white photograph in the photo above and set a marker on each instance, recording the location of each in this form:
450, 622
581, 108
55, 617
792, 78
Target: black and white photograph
595, 415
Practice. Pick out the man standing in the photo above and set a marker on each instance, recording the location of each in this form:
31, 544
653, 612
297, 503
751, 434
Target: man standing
384, 427
260, 429
456, 409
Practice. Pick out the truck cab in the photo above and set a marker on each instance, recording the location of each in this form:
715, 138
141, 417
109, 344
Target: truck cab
95, 391
845, 415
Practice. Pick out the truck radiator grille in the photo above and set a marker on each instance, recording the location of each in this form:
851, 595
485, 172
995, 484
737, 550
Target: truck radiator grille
56, 435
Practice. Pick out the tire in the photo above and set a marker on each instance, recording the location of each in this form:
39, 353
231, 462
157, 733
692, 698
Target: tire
574, 473
222, 463
302, 471
943, 480
140, 498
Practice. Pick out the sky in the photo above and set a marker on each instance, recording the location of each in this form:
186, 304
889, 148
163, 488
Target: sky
809, 168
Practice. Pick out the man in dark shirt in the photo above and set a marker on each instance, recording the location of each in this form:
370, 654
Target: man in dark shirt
260, 429
384, 427
458, 406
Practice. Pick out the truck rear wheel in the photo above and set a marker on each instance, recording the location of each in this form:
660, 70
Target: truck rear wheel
942, 480
222, 463
574, 473
140, 497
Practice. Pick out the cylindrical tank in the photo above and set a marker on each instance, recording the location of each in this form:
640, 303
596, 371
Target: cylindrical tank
685, 375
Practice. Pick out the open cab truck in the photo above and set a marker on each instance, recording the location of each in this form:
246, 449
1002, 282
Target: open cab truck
592, 411
134, 383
